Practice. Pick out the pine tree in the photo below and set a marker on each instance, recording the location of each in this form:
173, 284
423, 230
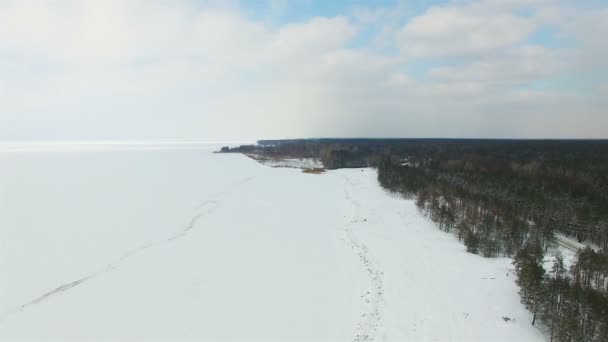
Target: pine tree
530, 274
471, 240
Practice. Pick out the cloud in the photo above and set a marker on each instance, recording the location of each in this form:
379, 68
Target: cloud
139, 66
513, 67
454, 30
136, 69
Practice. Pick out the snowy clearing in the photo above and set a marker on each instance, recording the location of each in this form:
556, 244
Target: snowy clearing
183, 244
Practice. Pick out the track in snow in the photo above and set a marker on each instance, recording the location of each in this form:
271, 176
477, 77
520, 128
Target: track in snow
204, 208
371, 319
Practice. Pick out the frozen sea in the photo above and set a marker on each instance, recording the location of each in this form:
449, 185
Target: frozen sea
145, 242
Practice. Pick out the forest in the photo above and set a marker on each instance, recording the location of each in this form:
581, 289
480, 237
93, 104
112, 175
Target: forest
501, 198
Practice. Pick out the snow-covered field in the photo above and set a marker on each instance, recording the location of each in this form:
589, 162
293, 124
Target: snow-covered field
181, 244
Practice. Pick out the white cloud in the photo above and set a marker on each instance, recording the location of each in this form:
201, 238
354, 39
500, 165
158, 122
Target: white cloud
141, 69
453, 30
513, 67
131, 62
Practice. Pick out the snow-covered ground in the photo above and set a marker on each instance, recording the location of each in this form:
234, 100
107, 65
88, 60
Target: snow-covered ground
569, 257
181, 244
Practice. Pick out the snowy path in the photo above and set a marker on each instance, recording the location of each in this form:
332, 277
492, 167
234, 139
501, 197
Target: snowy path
431, 289
371, 318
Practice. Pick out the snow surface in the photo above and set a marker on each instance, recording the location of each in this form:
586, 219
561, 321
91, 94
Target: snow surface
569, 258
181, 244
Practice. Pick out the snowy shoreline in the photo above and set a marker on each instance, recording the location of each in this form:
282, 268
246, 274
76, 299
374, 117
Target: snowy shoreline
294, 163
214, 247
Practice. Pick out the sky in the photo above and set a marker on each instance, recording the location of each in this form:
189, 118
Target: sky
245, 70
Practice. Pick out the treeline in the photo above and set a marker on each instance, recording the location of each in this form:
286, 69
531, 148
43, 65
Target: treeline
483, 222
571, 305
485, 194
495, 214
334, 153
511, 204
